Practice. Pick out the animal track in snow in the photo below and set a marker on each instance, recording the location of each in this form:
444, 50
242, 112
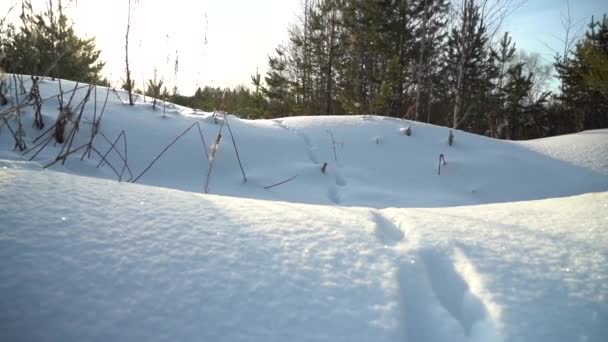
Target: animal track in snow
310, 148
333, 191
438, 303
386, 231
334, 194
340, 181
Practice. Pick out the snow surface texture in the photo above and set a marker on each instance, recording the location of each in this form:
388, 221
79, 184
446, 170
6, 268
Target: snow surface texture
89, 258
370, 162
123, 262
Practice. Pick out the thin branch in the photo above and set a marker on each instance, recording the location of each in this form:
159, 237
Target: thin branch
235, 148
279, 183
24, 104
333, 142
163, 151
200, 132
123, 158
64, 157
215, 148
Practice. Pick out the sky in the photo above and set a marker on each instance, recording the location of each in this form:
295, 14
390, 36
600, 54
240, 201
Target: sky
223, 42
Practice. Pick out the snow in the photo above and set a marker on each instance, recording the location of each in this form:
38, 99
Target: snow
113, 261
509, 243
586, 149
370, 162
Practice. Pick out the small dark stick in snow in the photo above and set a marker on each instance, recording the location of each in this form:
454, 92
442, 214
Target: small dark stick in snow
333, 143
441, 159
35, 97
451, 138
324, 167
236, 150
3, 91
407, 131
280, 183
215, 147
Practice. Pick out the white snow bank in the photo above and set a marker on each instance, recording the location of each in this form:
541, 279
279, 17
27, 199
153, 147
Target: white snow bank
370, 162
585, 149
89, 259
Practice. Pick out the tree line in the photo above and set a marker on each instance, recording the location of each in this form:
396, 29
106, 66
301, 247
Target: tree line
425, 60
432, 61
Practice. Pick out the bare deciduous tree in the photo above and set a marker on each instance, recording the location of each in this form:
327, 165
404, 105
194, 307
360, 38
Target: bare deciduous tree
129, 82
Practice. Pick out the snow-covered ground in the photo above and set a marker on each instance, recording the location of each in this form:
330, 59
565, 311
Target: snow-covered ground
370, 162
378, 248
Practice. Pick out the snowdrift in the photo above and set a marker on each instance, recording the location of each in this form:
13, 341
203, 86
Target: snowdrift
361, 239
90, 259
370, 162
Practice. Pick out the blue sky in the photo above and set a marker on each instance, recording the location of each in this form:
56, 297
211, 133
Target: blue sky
537, 26
241, 33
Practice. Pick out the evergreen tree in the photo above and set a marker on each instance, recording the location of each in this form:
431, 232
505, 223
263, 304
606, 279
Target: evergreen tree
45, 44
584, 100
277, 83
258, 99
471, 69
153, 90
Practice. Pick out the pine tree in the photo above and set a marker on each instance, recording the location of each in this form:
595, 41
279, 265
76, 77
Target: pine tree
516, 90
584, 99
471, 68
258, 98
154, 88
277, 83
499, 119
46, 45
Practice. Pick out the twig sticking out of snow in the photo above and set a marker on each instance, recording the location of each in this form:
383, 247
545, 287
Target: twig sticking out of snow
96, 122
214, 149
64, 116
73, 93
21, 84
407, 130
333, 142
45, 142
279, 183
118, 96
164, 150
18, 135
25, 104
451, 138
63, 157
124, 158
324, 167
235, 148
76, 126
13, 133
3, 91
200, 133
441, 159
35, 96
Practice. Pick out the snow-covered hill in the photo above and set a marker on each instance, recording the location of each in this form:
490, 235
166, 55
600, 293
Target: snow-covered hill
379, 247
370, 162
87, 259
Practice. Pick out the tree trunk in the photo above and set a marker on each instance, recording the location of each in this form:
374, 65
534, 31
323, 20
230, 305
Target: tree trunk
420, 62
461, 63
129, 85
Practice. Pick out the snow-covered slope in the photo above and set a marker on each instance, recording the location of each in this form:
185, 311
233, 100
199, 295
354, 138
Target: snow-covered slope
586, 149
370, 162
84, 257
88, 259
